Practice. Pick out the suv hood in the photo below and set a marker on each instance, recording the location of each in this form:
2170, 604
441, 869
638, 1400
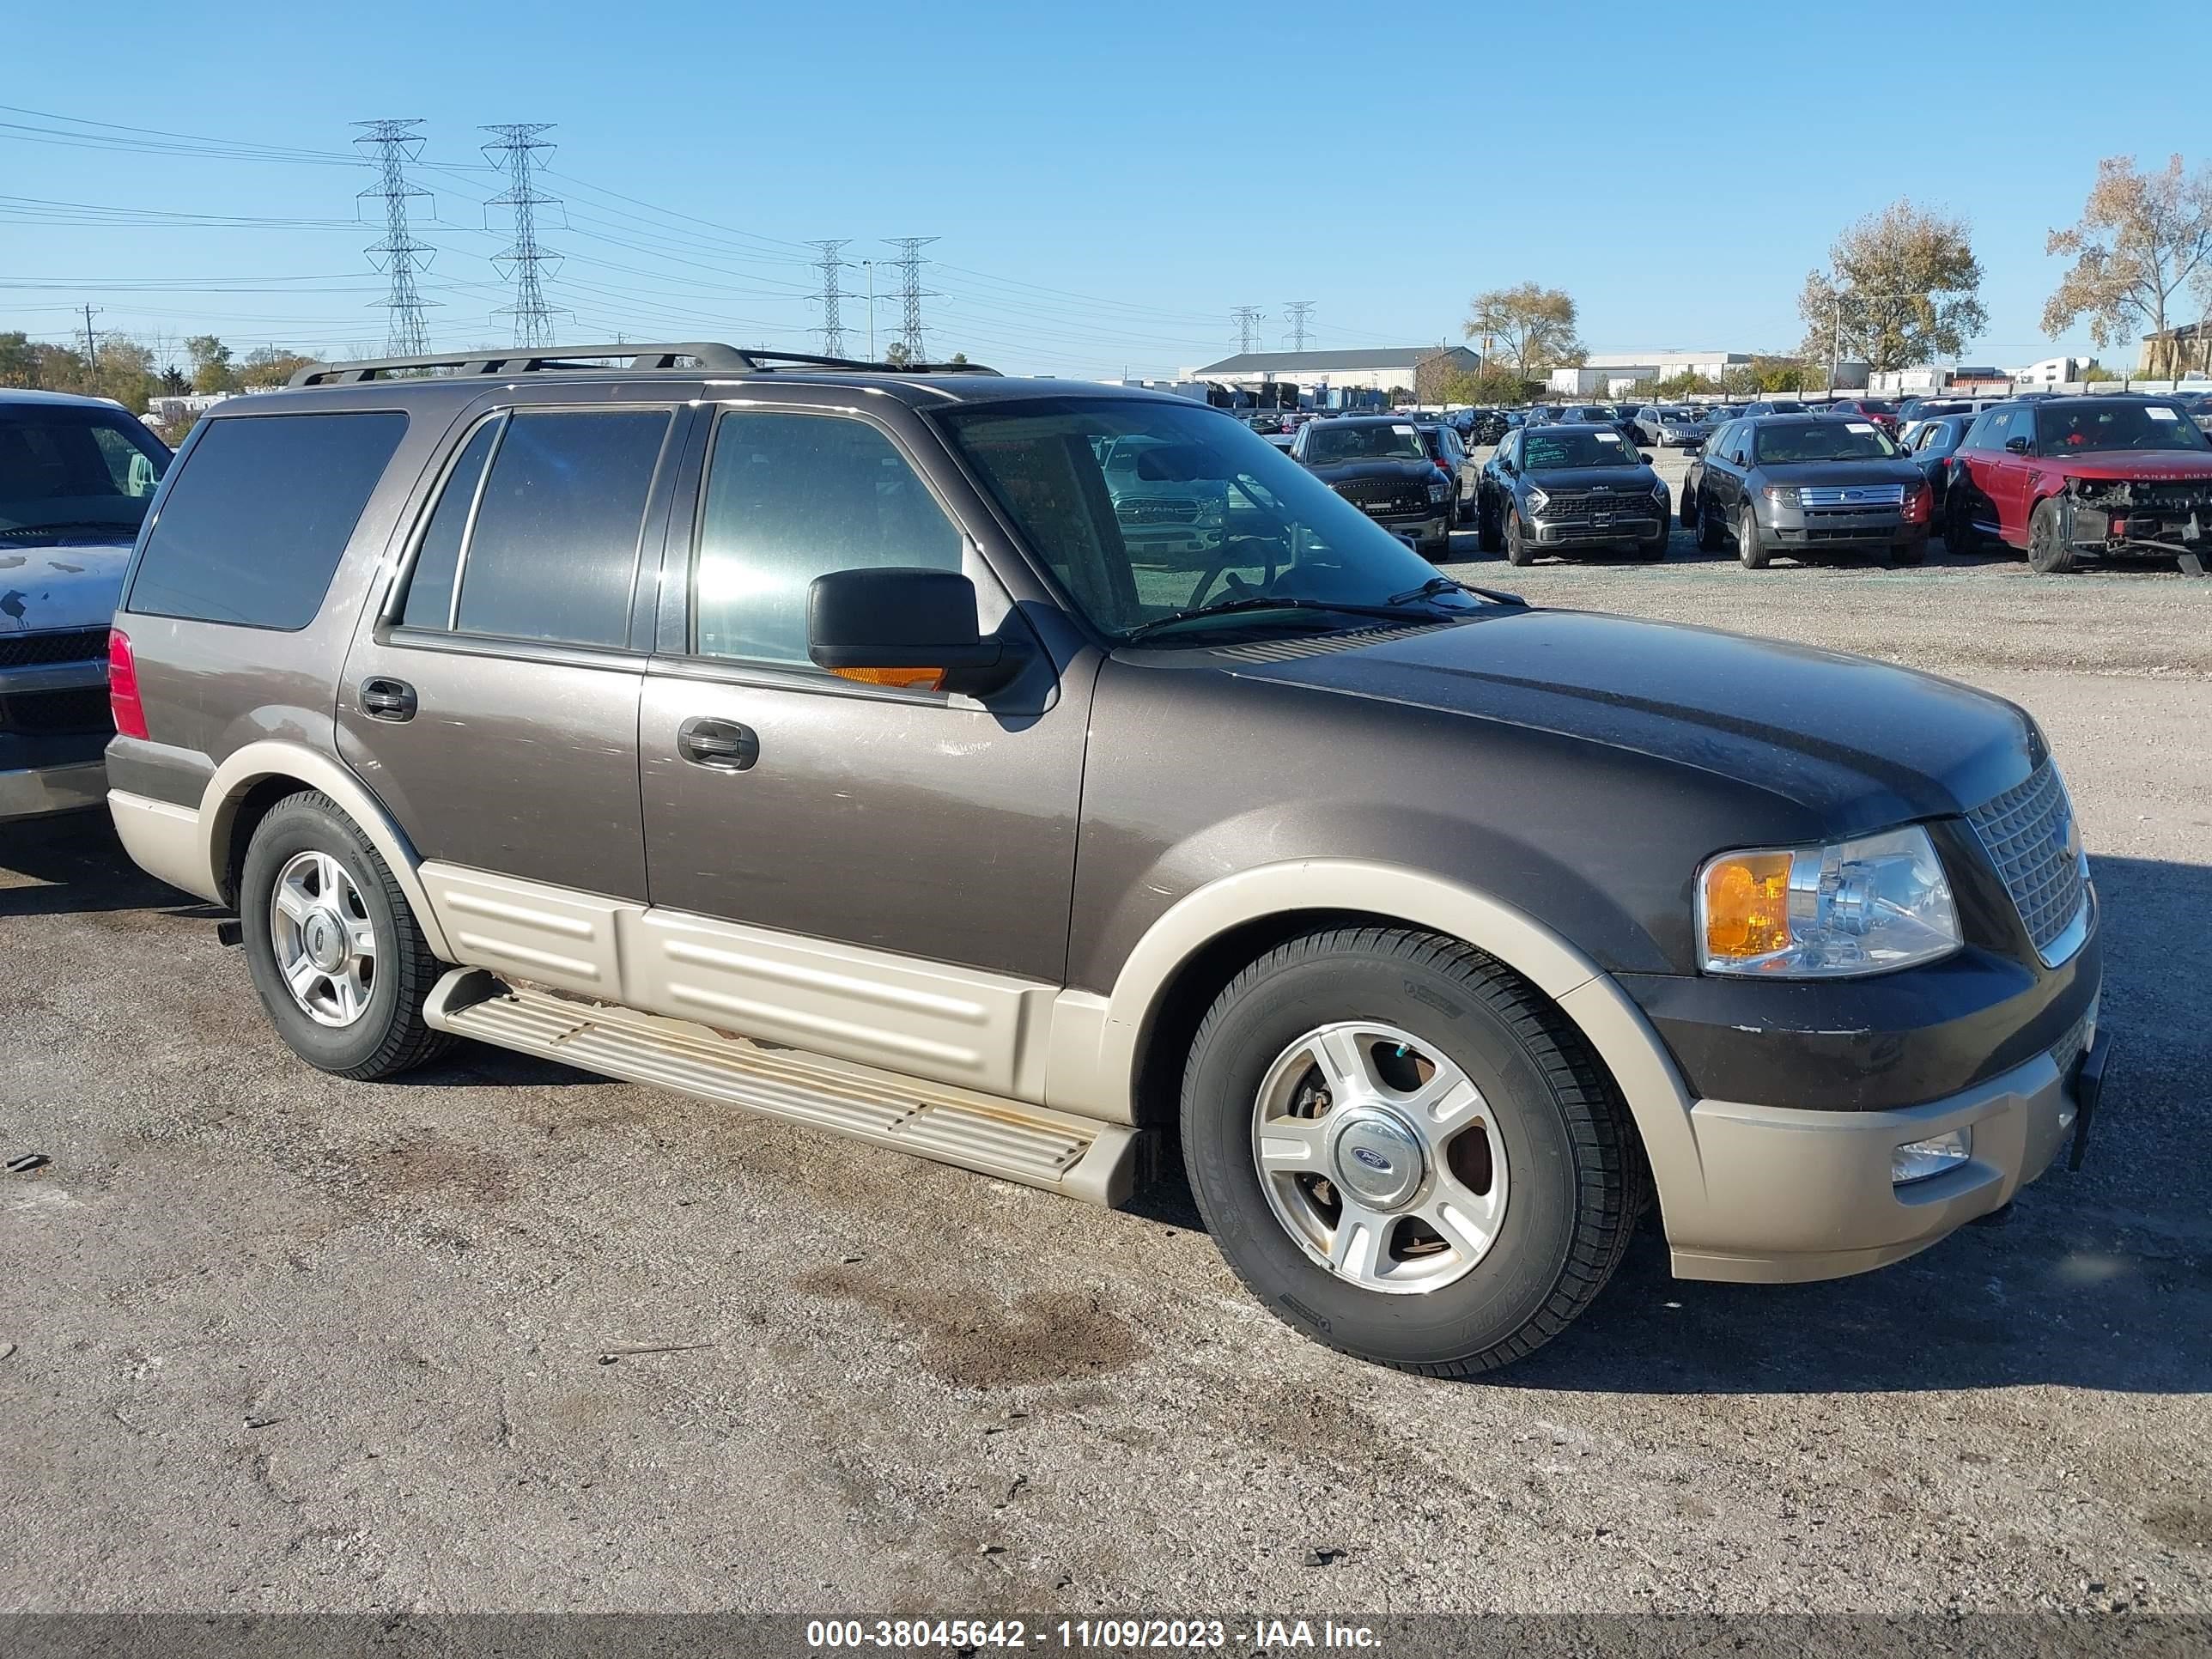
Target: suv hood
2137, 465
46, 586
1859, 744
1623, 480
1900, 471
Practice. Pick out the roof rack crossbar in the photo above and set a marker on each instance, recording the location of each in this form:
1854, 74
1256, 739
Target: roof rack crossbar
706, 354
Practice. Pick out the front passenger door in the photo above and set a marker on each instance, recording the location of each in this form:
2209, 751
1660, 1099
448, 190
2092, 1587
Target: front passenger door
931, 825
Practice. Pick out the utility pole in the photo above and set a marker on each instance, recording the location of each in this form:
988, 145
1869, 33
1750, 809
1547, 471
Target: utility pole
1296, 311
390, 145
870, 264
1247, 325
91, 345
833, 326
522, 259
910, 291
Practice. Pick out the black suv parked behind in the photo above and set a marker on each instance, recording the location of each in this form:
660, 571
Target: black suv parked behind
1808, 486
805, 736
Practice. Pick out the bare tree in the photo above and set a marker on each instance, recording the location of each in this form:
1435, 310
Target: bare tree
1901, 287
1532, 328
2143, 237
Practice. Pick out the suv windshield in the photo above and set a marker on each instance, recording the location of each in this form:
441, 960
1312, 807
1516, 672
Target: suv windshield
74, 470
2122, 423
1821, 441
1364, 441
1282, 532
1567, 445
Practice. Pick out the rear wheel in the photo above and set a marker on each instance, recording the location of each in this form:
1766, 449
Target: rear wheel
1405, 1152
2049, 552
1748, 546
1517, 550
1689, 508
331, 945
1959, 532
1711, 534
1486, 536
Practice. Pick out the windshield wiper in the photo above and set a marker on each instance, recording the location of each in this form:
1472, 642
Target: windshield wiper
1258, 602
127, 530
1437, 585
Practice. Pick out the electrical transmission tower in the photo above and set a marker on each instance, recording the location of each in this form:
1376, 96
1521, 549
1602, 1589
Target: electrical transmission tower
833, 327
522, 261
1247, 325
390, 145
910, 291
1296, 311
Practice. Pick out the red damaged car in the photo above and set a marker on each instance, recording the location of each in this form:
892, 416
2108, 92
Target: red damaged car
2066, 478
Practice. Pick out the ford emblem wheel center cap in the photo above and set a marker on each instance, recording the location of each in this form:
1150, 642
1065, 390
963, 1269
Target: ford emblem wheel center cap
1378, 1158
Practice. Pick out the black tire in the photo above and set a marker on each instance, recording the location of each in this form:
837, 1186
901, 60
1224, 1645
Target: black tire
1436, 552
1689, 507
1517, 550
1749, 547
1576, 1179
1711, 535
1959, 535
2049, 552
389, 1035
1654, 550
1487, 536
1905, 555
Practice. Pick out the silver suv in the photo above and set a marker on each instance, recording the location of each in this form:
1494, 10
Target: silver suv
809, 737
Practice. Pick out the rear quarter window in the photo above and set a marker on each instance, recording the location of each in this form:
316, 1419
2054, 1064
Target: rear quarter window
255, 524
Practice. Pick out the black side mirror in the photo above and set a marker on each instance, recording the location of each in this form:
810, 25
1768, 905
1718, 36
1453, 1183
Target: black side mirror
903, 627
2018, 446
1644, 456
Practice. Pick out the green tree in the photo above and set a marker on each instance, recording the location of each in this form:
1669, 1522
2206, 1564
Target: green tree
957, 357
175, 382
2141, 239
1901, 287
268, 366
19, 359
211, 364
124, 371
897, 356
1531, 328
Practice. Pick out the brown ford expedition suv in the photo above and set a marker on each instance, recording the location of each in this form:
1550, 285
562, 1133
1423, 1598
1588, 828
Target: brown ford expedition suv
803, 735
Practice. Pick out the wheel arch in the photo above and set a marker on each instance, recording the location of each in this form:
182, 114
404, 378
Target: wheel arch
254, 779
1121, 1050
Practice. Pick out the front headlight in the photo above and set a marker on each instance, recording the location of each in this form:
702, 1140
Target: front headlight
1864, 906
1781, 495
1537, 501
1438, 490
1659, 489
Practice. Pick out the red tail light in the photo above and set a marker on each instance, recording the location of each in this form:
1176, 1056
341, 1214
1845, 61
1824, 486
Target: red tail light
130, 714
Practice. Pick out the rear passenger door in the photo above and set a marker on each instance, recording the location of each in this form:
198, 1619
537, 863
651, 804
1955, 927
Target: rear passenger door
491, 699
932, 825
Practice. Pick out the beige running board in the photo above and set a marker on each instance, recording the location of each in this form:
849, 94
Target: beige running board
1078, 1156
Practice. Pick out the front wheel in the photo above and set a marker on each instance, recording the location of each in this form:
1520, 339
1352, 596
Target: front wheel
1749, 547
1710, 530
331, 945
2049, 552
1517, 550
1405, 1152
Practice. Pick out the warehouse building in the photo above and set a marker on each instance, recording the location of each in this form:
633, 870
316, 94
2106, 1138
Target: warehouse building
1320, 374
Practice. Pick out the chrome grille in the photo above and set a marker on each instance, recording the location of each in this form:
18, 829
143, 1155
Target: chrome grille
2067, 1053
1156, 511
1884, 494
2030, 837
74, 645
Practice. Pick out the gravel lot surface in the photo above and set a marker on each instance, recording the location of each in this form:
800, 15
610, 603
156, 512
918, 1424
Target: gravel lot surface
285, 1342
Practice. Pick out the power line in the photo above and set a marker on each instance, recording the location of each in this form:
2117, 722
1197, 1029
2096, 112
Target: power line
833, 327
1247, 325
394, 144
1296, 311
910, 291
522, 258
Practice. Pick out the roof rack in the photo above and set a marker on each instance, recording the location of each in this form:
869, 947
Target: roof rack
705, 354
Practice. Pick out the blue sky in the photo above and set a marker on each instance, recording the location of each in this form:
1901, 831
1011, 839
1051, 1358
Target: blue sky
1106, 183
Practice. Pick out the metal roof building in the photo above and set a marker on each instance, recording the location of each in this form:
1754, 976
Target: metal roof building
1380, 367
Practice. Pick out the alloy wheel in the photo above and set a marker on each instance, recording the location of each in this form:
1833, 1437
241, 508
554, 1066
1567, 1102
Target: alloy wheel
324, 942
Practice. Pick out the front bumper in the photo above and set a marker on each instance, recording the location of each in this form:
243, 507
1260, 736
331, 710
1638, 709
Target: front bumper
1792, 1195
1840, 528
1641, 525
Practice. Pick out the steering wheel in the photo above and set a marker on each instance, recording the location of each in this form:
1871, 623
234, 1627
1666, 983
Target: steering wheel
1236, 553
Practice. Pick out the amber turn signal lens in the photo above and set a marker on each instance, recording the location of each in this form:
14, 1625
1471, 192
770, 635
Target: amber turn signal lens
1746, 906
906, 679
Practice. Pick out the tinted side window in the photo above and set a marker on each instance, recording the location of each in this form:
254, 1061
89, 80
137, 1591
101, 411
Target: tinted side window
430, 589
791, 497
554, 553
258, 521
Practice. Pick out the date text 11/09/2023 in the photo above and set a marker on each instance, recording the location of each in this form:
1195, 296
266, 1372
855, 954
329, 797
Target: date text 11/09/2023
1078, 1635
